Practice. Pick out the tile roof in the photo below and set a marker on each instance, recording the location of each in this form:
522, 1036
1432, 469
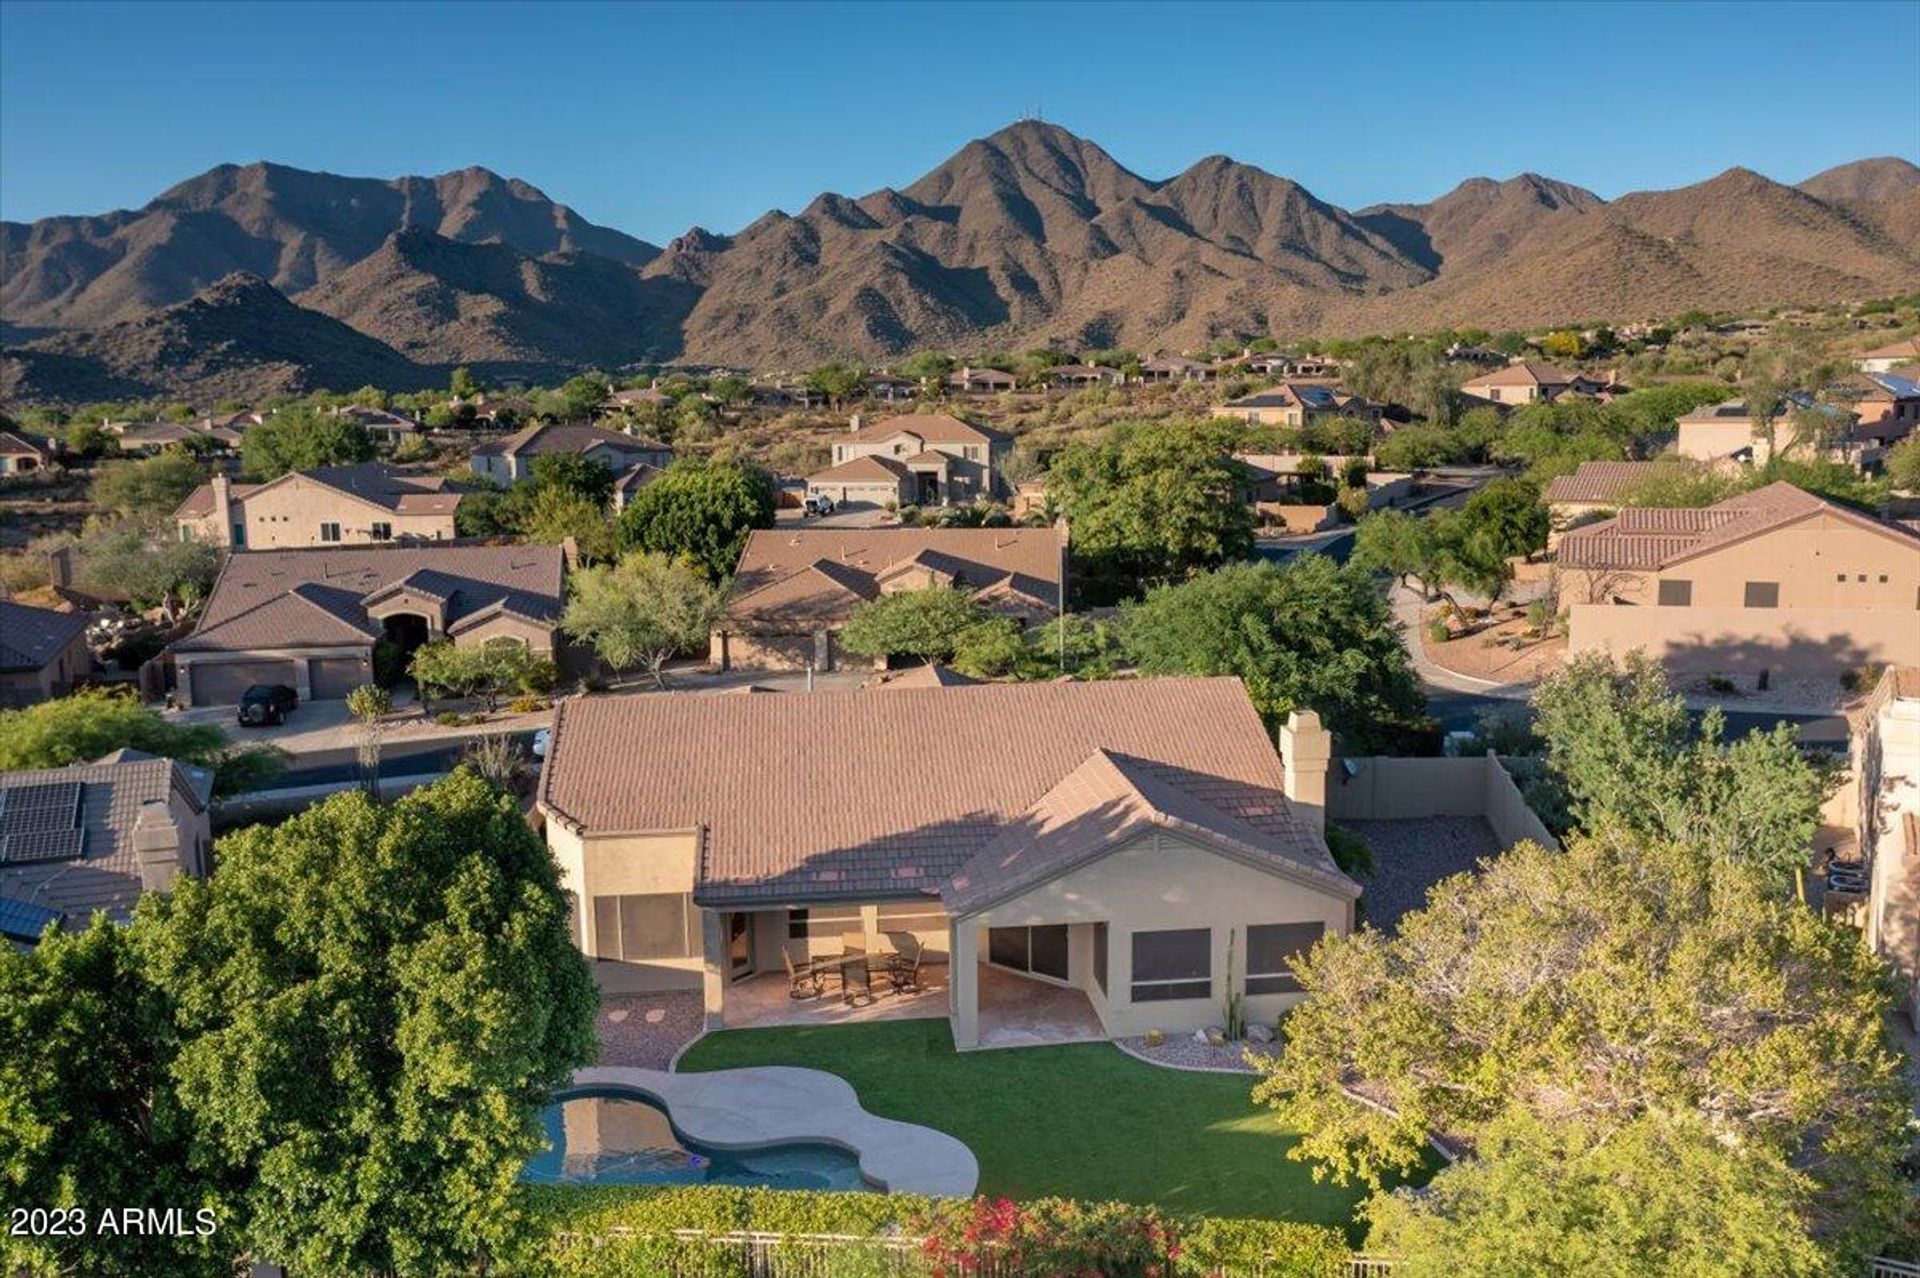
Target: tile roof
370, 482
871, 468
1658, 537
1905, 348
566, 437
32, 637
1524, 373
826, 571
932, 428
106, 874
927, 676
12, 445
1601, 481
317, 597
830, 795
1310, 395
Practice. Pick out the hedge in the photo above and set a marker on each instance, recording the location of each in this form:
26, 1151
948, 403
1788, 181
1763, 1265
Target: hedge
614, 1231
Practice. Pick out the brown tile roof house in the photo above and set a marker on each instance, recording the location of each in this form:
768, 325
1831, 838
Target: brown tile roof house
20, 455
1166, 792
1600, 482
310, 618
42, 652
1882, 359
94, 836
928, 459
794, 586
330, 505
509, 460
1525, 382
1297, 403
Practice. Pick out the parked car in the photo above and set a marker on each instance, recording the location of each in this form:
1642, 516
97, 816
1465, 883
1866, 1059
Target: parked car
265, 704
541, 740
818, 504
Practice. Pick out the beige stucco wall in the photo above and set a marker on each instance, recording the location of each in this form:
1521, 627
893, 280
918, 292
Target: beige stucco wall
1158, 881
1745, 641
538, 638
1405, 789
55, 679
1893, 907
289, 513
620, 865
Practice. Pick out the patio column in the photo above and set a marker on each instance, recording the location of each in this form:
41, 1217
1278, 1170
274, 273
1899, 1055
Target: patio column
713, 984
963, 978
870, 927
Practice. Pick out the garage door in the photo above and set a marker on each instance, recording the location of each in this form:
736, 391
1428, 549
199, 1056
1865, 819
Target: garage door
335, 677
222, 683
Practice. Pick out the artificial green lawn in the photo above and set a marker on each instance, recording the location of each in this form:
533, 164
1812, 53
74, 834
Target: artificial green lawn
1082, 1120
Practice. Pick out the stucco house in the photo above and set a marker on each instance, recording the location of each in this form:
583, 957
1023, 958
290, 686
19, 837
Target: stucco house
1728, 432
1298, 403
95, 836
388, 429
1594, 490
310, 618
42, 652
1886, 405
924, 459
21, 456
1527, 382
1884, 359
1884, 777
147, 438
795, 588
508, 461
1175, 368
1079, 376
1104, 842
982, 381
1769, 583
333, 506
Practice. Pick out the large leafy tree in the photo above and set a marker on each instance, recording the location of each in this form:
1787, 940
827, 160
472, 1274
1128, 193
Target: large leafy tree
1625, 981
95, 721
372, 1004
928, 624
1622, 745
302, 438
641, 611
1306, 634
1151, 503
703, 509
150, 569
149, 489
86, 1120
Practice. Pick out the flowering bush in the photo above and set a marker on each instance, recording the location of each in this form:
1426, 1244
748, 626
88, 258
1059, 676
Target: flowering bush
1050, 1238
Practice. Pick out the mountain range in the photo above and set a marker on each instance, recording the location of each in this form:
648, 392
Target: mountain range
263, 277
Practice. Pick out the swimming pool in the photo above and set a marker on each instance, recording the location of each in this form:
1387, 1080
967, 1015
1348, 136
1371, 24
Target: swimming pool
607, 1137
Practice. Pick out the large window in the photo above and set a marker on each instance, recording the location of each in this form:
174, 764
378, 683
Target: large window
1763, 594
1040, 950
329, 532
1676, 594
1271, 948
1172, 965
382, 530
653, 926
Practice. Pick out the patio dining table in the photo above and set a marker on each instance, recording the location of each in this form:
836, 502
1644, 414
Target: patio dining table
853, 955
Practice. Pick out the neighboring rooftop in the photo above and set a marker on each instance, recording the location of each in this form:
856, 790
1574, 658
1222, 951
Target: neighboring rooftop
568, 437
840, 794
370, 482
304, 598
1657, 537
932, 428
1522, 373
1314, 396
1602, 481
31, 637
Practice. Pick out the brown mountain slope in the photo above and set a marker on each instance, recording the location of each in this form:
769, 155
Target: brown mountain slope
239, 339
292, 228
1883, 178
441, 301
1478, 222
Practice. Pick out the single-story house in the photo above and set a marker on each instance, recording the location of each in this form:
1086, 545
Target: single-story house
42, 652
1775, 580
151, 437
1884, 359
1527, 382
1297, 404
508, 461
1073, 376
94, 836
21, 456
796, 587
1175, 368
310, 618
1596, 488
387, 428
335, 505
1110, 843
982, 381
1728, 432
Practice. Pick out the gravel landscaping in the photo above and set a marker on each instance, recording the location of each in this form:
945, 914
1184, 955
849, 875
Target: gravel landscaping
648, 1030
1411, 856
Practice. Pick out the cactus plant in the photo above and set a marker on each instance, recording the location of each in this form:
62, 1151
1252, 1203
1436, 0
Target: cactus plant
1236, 1018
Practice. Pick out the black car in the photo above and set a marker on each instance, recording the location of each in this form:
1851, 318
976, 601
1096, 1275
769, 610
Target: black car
265, 704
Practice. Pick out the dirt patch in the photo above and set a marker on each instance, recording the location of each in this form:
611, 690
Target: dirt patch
1506, 650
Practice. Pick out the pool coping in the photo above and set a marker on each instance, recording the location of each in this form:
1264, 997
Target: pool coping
765, 1105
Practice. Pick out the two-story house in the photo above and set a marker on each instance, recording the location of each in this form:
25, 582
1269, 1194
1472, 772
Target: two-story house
332, 506
921, 459
508, 461
1298, 403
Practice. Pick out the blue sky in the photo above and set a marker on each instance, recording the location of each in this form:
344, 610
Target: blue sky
654, 118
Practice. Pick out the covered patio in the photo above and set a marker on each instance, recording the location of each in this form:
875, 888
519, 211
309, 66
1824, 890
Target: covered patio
1015, 1010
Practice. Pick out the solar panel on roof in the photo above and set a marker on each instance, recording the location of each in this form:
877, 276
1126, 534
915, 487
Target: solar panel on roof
42, 845
23, 920
47, 805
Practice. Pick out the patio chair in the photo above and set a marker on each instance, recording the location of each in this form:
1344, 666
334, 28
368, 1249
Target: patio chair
803, 980
903, 965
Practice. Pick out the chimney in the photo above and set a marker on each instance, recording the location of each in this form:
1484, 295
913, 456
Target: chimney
156, 842
1306, 749
855, 422
60, 566
223, 510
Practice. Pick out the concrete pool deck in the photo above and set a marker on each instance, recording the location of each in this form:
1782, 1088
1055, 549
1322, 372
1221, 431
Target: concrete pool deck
781, 1104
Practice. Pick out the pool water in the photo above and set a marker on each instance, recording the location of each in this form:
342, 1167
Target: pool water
603, 1138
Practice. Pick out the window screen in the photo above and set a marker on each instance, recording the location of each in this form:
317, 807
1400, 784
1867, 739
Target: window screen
1041, 950
1100, 955
1270, 949
1763, 594
1676, 594
652, 926
1172, 965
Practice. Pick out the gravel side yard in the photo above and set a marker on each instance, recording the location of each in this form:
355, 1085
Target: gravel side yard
1411, 856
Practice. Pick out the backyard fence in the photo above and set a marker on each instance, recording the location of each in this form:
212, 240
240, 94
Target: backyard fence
1881, 1267
692, 1253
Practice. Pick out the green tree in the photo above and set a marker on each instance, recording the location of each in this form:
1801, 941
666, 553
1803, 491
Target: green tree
1681, 482
1903, 465
301, 438
1307, 634
369, 704
570, 473
446, 669
1622, 745
97, 721
928, 624
89, 439
372, 1004
1507, 516
642, 611
930, 369
703, 509
463, 383
149, 490
558, 514
152, 571
836, 381
1622, 981
85, 1118
1151, 503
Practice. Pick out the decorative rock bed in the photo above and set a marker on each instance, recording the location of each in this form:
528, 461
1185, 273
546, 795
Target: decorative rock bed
1186, 1051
